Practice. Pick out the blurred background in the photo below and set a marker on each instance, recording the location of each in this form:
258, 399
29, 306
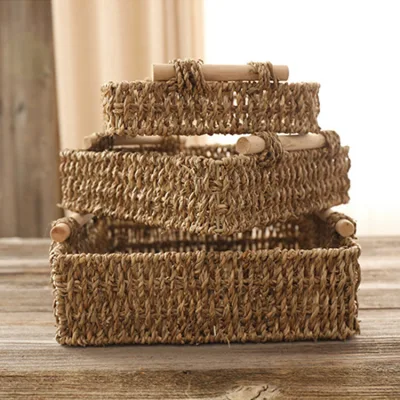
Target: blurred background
54, 56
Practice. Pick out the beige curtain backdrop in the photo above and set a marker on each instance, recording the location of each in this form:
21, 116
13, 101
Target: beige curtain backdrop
97, 41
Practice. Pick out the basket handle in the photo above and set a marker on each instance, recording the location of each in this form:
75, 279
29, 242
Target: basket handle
191, 75
165, 72
254, 144
100, 141
63, 228
265, 146
341, 223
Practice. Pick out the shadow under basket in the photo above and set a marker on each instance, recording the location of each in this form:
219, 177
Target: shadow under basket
121, 283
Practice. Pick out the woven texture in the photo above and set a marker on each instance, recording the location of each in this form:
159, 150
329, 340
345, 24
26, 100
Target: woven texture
206, 189
117, 283
188, 105
200, 244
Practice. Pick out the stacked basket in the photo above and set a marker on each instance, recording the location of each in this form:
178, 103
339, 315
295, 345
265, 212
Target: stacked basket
205, 244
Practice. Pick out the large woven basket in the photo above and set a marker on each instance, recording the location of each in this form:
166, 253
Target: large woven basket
119, 283
208, 189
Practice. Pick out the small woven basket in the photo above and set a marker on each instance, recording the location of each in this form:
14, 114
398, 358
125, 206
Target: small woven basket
119, 283
190, 105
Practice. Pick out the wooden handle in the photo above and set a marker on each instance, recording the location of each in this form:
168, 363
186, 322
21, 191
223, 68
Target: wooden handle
343, 227
255, 144
137, 140
245, 145
91, 140
61, 231
164, 72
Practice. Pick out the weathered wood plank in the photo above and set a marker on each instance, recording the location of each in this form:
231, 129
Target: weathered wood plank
29, 137
373, 381
378, 298
46, 355
32, 364
18, 249
380, 246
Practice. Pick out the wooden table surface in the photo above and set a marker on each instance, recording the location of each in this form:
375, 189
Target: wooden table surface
34, 366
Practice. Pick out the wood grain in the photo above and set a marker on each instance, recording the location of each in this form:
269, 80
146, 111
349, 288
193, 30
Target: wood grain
31, 248
347, 382
34, 366
29, 185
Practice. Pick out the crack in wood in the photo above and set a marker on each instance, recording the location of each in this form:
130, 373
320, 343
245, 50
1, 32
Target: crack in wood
250, 393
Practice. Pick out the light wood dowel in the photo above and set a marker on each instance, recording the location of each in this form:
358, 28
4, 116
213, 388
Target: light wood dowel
255, 144
302, 142
137, 140
61, 231
343, 227
245, 145
250, 145
164, 72
91, 140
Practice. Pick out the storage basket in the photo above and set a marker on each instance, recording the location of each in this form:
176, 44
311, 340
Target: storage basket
188, 105
207, 189
119, 283
203, 244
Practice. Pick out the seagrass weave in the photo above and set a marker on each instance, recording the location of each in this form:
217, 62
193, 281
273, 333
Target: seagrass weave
188, 105
203, 244
119, 283
208, 189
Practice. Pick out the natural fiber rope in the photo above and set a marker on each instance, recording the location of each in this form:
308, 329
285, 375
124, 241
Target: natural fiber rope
335, 217
189, 76
265, 72
273, 149
332, 141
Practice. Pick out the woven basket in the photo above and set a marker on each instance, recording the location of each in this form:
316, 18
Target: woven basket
188, 105
208, 189
201, 244
119, 283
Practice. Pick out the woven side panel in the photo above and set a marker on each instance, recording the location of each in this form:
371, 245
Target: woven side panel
206, 297
159, 108
201, 194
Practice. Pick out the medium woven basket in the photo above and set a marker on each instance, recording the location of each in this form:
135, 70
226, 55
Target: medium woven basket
119, 283
208, 189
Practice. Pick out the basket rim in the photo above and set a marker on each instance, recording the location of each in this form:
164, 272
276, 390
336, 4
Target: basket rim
233, 158
349, 245
144, 82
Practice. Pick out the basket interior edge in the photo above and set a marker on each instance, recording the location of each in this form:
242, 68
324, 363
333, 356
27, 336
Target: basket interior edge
105, 235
